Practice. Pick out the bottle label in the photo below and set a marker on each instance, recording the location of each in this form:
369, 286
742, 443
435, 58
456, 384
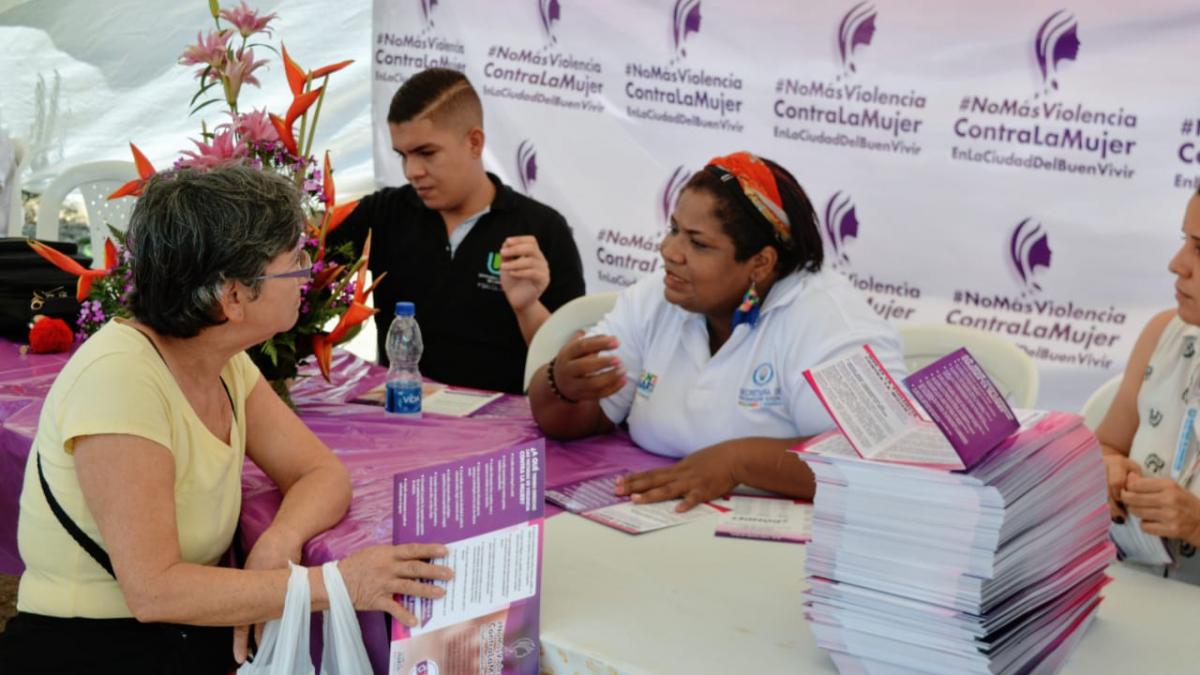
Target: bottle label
404, 398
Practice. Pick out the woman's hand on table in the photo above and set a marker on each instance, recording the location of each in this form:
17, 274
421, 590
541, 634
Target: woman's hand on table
702, 476
1164, 506
275, 548
375, 574
582, 373
1118, 467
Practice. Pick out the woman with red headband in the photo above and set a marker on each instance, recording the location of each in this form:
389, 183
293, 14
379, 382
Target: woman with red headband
706, 362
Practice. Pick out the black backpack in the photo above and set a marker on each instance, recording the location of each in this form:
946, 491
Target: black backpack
30, 285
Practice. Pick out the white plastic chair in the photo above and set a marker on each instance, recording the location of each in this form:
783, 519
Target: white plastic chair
95, 181
1097, 405
1013, 371
577, 314
12, 186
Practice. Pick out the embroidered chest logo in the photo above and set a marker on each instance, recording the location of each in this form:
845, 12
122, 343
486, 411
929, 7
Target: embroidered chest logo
489, 278
764, 390
646, 384
1189, 346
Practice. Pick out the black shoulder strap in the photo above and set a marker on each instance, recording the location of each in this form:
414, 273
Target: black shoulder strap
93, 549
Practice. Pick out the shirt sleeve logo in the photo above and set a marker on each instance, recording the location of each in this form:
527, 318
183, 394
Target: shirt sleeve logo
646, 384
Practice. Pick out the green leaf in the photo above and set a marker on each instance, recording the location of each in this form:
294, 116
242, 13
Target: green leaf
205, 104
206, 87
268, 348
263, 44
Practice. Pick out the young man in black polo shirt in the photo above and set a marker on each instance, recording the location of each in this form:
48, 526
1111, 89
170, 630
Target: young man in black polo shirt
484, 264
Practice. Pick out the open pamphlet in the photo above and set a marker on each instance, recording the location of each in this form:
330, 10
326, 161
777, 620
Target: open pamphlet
962, 415
593, 499
488, 510
764, 517
744, 516
438, 399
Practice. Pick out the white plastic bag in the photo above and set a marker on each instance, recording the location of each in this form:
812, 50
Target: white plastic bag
344, 652
284, 648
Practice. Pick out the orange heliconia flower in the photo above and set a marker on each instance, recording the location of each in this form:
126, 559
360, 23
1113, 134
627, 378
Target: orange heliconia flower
67, 264
134, 187
323, 343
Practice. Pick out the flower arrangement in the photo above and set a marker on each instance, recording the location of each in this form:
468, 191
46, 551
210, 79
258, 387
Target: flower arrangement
225, 62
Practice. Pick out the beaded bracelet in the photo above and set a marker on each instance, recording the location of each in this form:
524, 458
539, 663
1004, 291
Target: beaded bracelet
553, 386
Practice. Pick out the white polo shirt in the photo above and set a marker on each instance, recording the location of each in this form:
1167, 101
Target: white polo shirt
680, 398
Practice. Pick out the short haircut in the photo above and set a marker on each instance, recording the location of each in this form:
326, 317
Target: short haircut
443, 95
191, 232
751, 232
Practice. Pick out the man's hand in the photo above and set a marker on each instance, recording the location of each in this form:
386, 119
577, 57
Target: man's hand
524, 272
1166, 509
702, 476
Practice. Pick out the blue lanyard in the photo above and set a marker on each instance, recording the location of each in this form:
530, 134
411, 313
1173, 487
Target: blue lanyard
1186, 433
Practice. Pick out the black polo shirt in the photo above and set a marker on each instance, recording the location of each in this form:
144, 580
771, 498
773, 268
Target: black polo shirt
471, 335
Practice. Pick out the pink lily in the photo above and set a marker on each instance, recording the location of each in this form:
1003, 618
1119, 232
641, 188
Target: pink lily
240, 70
208, 51
252, 127
246, 20
222, 149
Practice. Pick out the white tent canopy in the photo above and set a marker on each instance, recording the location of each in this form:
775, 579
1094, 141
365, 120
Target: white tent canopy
82, 79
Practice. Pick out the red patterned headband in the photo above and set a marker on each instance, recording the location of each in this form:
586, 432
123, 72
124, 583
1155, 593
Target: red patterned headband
756, 182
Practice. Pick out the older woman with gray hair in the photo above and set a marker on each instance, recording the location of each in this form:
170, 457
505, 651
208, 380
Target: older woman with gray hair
132, 489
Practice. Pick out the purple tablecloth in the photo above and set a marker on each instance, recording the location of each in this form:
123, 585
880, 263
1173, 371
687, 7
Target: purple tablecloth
373, 445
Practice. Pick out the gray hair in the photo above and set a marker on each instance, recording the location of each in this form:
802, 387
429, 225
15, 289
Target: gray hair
192, 231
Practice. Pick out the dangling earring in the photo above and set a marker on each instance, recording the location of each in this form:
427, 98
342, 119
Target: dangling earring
747, 312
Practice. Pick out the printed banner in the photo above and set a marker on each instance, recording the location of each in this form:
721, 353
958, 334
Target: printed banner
1017, 168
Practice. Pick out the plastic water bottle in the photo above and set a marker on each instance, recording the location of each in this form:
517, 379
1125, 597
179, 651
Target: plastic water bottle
404, 348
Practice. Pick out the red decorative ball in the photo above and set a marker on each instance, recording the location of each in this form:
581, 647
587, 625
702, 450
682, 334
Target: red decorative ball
49, 335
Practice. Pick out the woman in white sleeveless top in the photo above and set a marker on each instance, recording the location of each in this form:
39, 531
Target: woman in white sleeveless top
1145, 424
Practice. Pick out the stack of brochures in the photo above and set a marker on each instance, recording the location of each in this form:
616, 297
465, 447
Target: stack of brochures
995, 566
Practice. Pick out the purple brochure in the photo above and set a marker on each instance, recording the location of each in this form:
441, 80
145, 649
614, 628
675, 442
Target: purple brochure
488, 511
965, 405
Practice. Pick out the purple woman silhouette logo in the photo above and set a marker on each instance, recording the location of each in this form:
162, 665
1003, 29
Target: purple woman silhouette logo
841, 224
670, 193
685, 20
857, 29
526, 165
1028, 250
550, 12
1057, 41
427, 12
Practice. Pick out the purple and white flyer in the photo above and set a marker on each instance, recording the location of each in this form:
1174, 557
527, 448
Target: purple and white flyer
488, 510
965, 404
593, 499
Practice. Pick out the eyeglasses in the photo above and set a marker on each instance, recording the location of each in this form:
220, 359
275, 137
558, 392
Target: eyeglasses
303, 272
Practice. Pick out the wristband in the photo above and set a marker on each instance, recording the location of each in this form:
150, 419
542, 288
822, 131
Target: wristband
553, 386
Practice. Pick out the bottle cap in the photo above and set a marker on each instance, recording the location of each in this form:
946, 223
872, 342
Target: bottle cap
405, 309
